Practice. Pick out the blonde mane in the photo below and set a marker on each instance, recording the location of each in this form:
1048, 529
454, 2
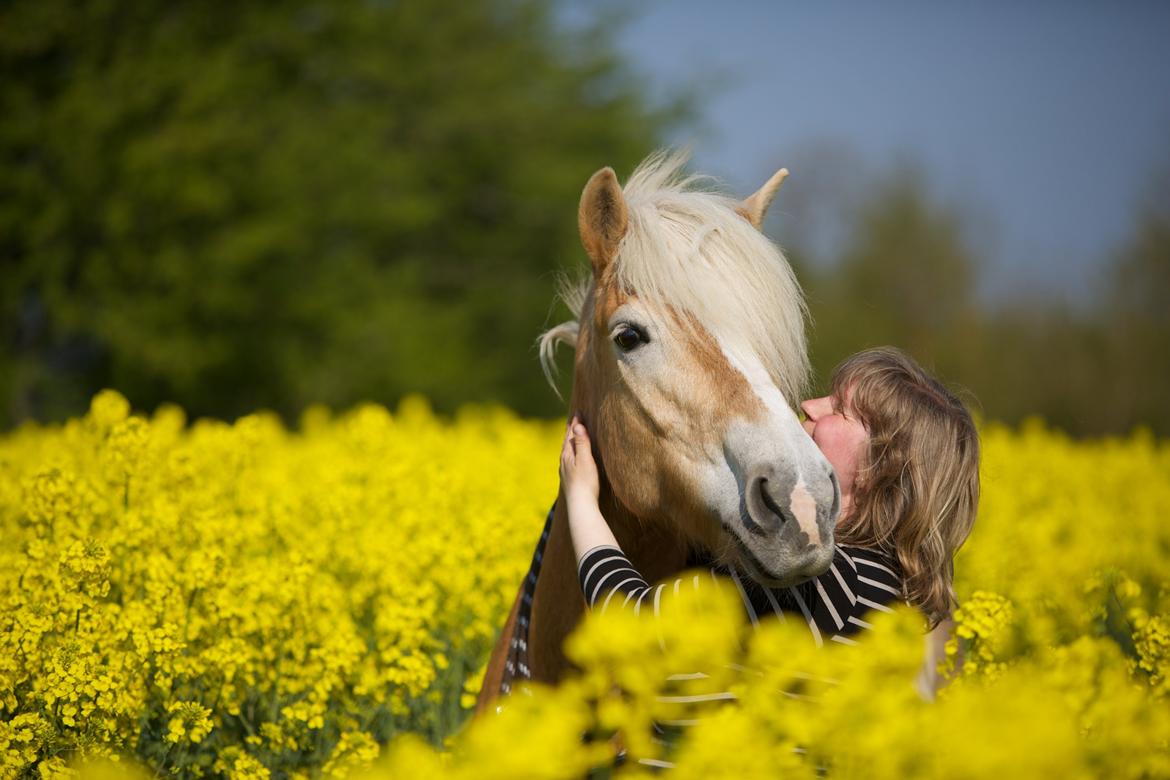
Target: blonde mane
688, 249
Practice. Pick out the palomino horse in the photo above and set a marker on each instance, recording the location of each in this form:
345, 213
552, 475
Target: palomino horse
690, 350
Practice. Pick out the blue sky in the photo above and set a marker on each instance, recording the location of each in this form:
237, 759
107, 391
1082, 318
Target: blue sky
1043, 121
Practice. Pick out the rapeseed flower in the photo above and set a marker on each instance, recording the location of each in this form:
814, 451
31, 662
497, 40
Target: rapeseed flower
242, 600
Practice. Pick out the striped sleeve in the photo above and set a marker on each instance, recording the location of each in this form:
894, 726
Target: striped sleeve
606, 573
858, 582
608, 578
834, 605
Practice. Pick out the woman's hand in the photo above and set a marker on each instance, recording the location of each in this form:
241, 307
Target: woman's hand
579, 479
580, 486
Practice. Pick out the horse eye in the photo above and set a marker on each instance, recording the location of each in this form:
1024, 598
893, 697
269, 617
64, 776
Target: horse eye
628, 338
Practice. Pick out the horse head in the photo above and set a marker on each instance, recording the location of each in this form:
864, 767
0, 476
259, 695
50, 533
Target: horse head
690, 353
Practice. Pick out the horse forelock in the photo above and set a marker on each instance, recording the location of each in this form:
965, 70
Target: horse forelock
689, 250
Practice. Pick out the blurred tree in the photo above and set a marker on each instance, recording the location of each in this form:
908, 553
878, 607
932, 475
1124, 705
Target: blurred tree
1037, 356
905, 277
1094, 369
263, 205
1135, 385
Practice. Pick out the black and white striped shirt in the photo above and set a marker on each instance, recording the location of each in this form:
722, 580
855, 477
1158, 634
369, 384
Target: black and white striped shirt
834, 605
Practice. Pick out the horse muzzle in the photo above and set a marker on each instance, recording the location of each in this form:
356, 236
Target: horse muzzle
787, 522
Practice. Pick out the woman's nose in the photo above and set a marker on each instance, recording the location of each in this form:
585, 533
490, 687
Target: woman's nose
813, 408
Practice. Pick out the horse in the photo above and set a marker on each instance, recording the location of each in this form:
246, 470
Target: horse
689, 355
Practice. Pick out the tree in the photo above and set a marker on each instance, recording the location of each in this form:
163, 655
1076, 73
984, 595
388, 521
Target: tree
1134, 386
264, 205
905, 277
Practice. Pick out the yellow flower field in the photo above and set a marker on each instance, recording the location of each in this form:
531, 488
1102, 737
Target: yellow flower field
243, 600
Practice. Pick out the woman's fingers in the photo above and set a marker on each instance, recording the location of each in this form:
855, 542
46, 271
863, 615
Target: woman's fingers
576, 453
567, 448
575, 436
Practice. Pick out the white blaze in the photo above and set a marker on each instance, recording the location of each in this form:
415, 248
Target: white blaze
779, 436
804, 506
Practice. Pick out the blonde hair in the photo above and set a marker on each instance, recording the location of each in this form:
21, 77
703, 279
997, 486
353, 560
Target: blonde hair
917, 488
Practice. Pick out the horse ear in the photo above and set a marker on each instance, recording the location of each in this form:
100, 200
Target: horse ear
602, 219
754, 208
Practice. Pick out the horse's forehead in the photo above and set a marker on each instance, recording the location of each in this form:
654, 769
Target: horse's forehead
731, 390
608, 299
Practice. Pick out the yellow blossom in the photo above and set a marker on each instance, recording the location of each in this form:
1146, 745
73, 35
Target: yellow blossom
247, 601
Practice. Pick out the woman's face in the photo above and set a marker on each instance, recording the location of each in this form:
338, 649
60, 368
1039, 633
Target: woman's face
838, 431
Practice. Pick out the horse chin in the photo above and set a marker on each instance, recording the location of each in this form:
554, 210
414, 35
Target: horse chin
782, 575
755, 569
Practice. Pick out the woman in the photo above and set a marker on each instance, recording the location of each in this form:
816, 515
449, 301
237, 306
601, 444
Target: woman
906, 454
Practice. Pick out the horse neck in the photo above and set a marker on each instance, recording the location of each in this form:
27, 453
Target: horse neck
656, 549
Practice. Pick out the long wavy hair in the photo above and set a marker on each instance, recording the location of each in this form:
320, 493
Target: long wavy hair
917, 488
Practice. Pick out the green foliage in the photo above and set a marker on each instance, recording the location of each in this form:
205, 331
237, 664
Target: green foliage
269, 205
263, 205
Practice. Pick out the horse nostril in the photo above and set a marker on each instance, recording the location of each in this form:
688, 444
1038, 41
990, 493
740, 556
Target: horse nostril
764, 515
770, 502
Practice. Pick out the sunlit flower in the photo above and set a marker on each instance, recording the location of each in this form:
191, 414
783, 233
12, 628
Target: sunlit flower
247, 601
